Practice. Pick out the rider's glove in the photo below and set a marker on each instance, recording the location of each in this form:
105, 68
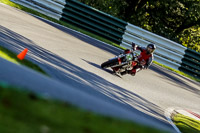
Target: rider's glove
142, 67
145, 67
134, 46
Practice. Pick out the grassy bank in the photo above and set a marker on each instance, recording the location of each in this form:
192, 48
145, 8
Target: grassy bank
25, 112
186, 124
10, 56
176, 71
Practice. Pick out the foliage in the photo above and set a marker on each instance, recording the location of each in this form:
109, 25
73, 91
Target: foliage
177, 20
191, 38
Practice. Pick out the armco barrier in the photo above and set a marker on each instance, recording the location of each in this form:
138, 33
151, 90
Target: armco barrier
46, 7
165, 48
191, 63
93, 20
81, 15
168, 52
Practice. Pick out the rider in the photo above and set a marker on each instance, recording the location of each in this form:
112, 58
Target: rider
145, 58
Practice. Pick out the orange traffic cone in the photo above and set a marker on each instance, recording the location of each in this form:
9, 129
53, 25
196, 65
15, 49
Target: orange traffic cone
22, 54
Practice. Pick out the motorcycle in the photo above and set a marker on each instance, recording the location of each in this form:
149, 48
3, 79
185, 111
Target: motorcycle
123, 62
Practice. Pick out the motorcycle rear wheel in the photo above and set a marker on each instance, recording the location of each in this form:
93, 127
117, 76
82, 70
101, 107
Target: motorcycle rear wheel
109, 63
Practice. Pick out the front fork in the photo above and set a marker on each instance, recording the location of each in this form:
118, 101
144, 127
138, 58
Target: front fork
119, 61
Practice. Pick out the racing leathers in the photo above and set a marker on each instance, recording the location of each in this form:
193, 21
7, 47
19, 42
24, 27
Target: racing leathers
145, 60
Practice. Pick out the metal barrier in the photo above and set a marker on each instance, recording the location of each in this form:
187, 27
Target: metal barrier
47, 7
81, 15
191, 63
168, 52
93, 20
166, 49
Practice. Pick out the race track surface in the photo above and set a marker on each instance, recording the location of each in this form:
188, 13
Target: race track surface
73, 61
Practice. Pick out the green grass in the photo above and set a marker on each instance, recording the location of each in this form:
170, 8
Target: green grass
25, 112
10, 56
186, 124
176, 71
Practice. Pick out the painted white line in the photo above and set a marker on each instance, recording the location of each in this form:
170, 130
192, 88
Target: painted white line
168, 113
195, 114
188, 113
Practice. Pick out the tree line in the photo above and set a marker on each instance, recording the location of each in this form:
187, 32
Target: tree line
177, 20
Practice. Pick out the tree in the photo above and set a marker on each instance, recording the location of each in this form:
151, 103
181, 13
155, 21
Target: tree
177, 20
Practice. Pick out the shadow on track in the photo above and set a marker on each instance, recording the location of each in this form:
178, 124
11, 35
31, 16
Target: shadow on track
115, 51
177, 80
85, 38
79, 78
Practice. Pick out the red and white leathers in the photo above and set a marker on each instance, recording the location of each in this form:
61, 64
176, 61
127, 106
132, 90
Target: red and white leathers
145, 59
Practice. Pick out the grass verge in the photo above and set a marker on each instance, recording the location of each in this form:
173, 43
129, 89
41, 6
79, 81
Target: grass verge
10, 56
25, 112
84, 32
176, 71
186, 124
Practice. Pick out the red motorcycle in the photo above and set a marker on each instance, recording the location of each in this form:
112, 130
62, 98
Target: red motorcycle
123, 62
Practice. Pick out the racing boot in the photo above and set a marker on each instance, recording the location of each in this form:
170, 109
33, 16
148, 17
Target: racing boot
116, 71
132, 72
124, 73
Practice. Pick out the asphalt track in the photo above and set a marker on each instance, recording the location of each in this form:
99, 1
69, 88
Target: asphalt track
73, 62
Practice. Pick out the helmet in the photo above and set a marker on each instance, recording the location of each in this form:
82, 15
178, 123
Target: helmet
151, 48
